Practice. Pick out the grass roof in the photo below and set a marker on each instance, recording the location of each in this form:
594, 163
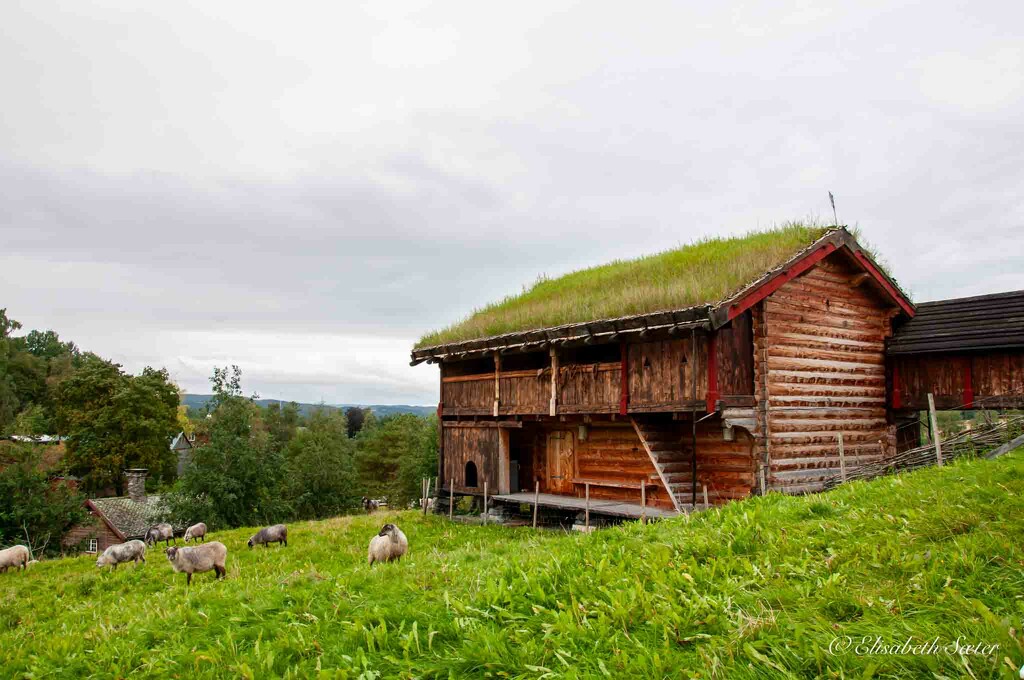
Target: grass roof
699, 273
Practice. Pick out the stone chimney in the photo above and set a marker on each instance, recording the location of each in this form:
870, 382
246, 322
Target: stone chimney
135, 480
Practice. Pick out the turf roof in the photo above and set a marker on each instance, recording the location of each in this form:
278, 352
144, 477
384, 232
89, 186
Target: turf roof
699, 273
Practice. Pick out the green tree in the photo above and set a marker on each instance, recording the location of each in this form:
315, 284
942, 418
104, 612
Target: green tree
236, 478
9, 402
114, 420
394, 454
33, 503
356, 419
321, 480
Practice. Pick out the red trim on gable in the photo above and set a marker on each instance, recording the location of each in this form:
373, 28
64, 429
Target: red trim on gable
884, 283
766, 289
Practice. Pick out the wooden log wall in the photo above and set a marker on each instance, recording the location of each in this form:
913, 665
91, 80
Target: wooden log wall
465, 444
820, 370
589, 388
662, 373
989, 380
727, 468
735, 360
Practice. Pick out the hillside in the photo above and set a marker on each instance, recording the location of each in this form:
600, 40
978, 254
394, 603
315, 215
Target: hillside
757, 589
198, 401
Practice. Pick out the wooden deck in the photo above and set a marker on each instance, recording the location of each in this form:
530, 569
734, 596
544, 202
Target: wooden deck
597, 507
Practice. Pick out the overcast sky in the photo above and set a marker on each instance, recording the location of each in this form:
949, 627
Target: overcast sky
304, 189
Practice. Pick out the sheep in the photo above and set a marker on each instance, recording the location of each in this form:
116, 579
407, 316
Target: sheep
195, 532
15, 556
132, 551
369, 505
161, 532
275, 534
390, 544
199, 559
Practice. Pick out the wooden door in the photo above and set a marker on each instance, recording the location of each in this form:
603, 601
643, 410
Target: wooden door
560, 461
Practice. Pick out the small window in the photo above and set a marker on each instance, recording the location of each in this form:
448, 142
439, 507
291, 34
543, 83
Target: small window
93, 546
471, 474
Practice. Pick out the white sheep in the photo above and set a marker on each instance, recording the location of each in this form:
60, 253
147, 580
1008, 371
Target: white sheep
132, 551
199, 559
161, 532
389, 544
275, 534
195, 532
15, 556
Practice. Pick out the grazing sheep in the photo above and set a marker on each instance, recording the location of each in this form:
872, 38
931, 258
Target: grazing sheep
199, 559
195, 532
161, 532
390, 544
369, 505
275, 534
15, 556
132, 551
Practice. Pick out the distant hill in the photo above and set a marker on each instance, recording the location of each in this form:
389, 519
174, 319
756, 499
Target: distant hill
198, 401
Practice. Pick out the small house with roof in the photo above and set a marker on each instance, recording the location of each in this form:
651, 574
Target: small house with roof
116, 519
728, 367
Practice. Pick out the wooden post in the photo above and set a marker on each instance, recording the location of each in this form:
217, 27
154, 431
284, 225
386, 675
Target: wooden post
705, 496
497, 382
842, 459
587, 526
643, 501
485, 502
935, 430
764, 487
553, 407
426, 497
536, 502
451, 498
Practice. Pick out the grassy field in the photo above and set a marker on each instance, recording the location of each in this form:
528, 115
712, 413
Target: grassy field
698, 273
758, 589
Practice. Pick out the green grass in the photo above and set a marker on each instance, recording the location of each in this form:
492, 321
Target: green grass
703, 272
755, 590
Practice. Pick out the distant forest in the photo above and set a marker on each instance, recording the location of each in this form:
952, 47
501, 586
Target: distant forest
196, 402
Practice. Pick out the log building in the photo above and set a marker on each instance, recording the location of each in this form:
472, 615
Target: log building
734, 396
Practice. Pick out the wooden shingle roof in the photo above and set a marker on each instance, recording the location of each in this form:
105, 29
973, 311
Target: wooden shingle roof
983, 322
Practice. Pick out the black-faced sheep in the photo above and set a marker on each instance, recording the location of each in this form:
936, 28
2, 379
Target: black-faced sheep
369, 505
195, 532
161, 532
201, 558
132, 551
390, 544
15, 556
275, 534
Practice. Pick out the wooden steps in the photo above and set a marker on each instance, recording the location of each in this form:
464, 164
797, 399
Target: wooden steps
664, 444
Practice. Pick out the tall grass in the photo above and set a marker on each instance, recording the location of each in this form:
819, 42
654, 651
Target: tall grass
702, 272
757, 589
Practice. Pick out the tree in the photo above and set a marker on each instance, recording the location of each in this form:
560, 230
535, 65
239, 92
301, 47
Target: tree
114, 420
282, 423
236, 478
32, 503
356, 419
321, 480
8, 390
394, 454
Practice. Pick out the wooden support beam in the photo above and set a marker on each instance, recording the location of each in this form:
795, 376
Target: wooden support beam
842, 459
497, 382
712, 395
935, 430
859, 279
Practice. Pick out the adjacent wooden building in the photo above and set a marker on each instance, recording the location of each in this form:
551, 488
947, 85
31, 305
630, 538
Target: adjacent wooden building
735, 396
